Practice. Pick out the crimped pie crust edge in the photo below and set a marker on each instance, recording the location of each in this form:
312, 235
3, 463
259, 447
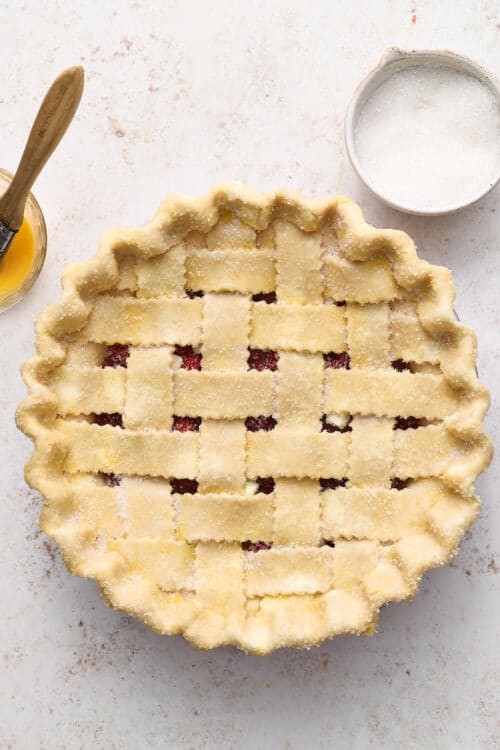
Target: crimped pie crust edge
316, 617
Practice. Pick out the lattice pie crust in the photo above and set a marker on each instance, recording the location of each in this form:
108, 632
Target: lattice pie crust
256, 419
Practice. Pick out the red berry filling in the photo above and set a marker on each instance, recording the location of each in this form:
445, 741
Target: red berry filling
115, 419
112, 480
265, 485
184, 486
407, 423
262, 359
116, 356
400, 365
268, 297
337, 361
332, 484
327, 543
186, 424
328, 427
399, 484
254, 424
192, 294
191, 360
249, 546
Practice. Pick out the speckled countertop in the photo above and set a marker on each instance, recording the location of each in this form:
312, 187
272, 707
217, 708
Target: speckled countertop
180, 95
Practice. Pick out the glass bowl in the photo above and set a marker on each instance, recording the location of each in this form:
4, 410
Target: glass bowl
33, 214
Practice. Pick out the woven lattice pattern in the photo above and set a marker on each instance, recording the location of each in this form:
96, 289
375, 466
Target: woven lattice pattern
255, 433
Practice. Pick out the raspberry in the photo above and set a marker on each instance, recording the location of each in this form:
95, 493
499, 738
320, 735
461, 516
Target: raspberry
249, 546
116, 356
112, 480
329, 427
400, 365
265, 485
337, 361
407, 423
191, 360
184, 486
254, 424
115, 419
186, 424
262, 359
332, 484
268, 297
399, 484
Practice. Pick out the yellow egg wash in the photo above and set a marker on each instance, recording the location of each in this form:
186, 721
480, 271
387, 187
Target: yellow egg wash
17, 262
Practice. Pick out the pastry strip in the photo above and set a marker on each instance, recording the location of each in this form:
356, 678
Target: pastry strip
225, 332
169, 564
244, 271
149, 322
224, 517
298, 265
286, 453
219, 577
162, 276
302, 328
100, 508
149, 398
297, 512
375, 513
205, 394
428, 451
298, 375
289, 571
409, 340
222, 456
389, 393
371, 451
145, 453
362, 282
368, 335
148, 507
88, 390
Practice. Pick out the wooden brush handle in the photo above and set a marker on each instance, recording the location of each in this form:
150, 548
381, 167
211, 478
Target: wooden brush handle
51, 122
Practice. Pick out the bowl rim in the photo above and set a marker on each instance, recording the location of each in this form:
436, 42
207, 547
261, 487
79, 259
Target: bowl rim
397, 59
12, 297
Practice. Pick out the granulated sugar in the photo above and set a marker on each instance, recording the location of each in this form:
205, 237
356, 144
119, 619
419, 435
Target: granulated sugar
428, 137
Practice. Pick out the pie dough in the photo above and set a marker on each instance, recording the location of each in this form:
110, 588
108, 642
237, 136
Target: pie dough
256, 419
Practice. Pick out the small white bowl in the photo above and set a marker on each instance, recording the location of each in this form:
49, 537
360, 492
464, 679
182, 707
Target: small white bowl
392, 61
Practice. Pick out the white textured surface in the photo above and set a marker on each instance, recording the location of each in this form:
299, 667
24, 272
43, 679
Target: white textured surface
180, 95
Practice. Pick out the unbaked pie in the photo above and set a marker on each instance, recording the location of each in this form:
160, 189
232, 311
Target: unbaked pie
256, 419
